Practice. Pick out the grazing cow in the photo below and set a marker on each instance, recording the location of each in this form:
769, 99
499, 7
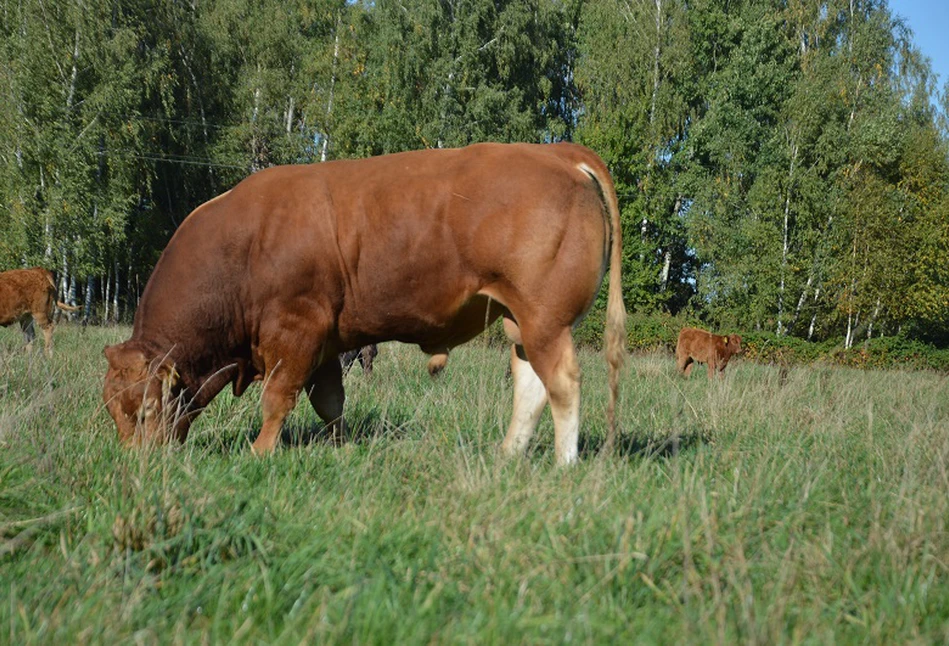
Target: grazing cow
28, 296
714, 350
273, 279
365, 354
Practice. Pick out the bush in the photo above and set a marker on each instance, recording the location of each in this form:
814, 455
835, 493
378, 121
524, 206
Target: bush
893, 351
648, 332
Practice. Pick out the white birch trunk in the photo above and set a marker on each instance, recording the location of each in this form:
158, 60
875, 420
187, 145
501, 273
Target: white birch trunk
329, 103
873, 318
74, 74
47, 226
786, 237
657, 55
800, 302
106, 301
204, 123
64, 276
667, 260
655, 64
115, 295
71, 291
666, 266
810, 329
90, 296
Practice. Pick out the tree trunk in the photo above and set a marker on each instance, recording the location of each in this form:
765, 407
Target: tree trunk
873, 318
115, 295
90, 296
657, 51
666, 266
786, 236
64, 277
204, 122
800, 303
810, 329
106, 284
329, 102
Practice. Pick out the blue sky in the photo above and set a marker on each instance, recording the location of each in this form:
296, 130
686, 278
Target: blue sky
929, 20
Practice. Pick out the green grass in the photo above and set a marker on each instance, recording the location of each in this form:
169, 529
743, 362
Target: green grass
808, 506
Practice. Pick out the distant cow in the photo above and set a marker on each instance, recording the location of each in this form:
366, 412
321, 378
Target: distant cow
28, 296
273, 279
365, 355
712, 349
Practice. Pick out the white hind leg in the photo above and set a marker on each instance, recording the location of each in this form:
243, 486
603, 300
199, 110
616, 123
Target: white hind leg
563, 389
553, 360
529, 399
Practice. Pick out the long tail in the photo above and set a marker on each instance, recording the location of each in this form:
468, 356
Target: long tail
615, 309
615, 315
69, 308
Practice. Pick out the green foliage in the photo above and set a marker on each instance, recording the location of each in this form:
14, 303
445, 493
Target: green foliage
781, 166
881, 353
893, 352
770, 348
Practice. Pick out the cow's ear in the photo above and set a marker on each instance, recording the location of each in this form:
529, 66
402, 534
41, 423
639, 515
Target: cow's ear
123, 357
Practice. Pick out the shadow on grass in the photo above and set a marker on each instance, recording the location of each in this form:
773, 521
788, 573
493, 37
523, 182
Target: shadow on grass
297, 433
634, 447
362, 429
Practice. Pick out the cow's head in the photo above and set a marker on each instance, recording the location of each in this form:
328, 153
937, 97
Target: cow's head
733, 344
141, 394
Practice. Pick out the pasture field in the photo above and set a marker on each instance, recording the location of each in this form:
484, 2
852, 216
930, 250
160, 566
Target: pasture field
805, 506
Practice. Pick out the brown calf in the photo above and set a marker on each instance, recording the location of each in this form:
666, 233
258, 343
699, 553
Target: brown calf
28, 295
714, 350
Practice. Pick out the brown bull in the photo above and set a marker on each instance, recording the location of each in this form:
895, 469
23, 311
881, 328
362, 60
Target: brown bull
271, 280
714, 350
28, 296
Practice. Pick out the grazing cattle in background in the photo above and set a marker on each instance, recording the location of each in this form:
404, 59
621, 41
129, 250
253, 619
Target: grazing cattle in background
365, 355
28, 296
273, 279
714, 350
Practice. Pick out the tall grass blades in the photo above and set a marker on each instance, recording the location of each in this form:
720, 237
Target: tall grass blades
776, 505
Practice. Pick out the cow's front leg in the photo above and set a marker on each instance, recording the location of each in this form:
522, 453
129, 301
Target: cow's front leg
325, 391
278, 399
291, 348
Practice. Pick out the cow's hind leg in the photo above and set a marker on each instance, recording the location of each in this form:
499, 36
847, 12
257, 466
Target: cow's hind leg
29, 331
554, 361
47, 337
43, 319
559, 369
686, 366
529, 399
325, 391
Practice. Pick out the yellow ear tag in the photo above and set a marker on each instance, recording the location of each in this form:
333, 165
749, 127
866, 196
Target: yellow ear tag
166, 385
